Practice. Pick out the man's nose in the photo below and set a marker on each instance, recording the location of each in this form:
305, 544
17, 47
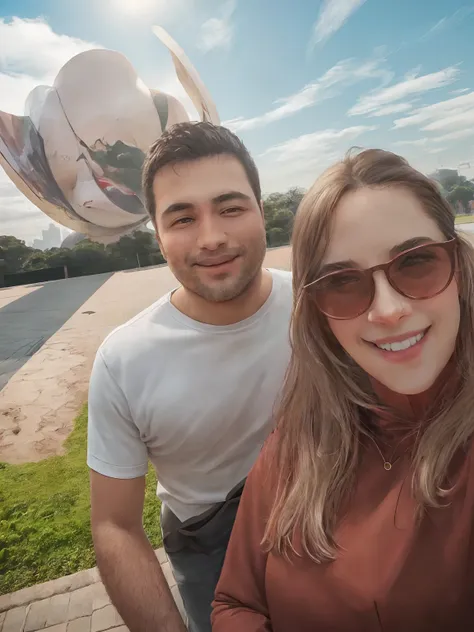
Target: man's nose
211, 235
388, 306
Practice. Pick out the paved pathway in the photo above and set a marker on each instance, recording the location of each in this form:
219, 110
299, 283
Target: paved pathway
41, 400
29, 321
77, 603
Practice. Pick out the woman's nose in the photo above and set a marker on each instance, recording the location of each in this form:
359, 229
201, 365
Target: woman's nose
388, 306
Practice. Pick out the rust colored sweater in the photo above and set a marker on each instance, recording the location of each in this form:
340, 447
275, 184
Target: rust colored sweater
392, 573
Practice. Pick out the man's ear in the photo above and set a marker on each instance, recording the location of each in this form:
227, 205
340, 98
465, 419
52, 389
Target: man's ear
262, 209
160, 245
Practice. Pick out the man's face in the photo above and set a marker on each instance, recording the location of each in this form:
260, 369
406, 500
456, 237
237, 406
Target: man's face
210, 227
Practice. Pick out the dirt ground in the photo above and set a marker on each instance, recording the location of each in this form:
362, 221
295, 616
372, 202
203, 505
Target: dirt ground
40, 402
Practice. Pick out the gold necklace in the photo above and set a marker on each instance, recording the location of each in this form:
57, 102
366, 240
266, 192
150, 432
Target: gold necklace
387, 463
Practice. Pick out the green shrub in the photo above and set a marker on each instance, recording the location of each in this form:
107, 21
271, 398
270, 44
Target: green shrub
44, 516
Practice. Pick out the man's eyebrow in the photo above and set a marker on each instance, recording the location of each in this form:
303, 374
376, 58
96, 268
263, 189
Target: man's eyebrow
231, 195
177, 207
396, 250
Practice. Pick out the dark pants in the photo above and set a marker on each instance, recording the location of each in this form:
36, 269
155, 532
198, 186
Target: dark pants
196, 550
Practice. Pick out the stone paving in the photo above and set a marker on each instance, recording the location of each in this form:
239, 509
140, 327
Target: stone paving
77, 603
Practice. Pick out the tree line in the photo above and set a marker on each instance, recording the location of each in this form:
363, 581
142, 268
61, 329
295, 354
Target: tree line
137, 249
458, 190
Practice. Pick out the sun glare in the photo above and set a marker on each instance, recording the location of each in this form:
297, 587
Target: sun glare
135, 7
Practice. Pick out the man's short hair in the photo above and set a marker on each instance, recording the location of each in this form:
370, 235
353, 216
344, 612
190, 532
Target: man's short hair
185, 142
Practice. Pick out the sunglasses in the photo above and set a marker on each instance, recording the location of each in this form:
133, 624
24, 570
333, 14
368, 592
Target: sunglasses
418, 274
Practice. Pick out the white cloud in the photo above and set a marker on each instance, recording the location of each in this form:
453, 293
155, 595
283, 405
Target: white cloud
436, 28
218, 32
413, 73
436, 150
404, 89
18, 216
431, 143
419, 142
395, 108
345, 73
14, 88
453, 122
33, 48
457, 135
460, 91
31, 54
452, 119
449, 114
160, 11
448, 21
298, 161
332, 16
301, 145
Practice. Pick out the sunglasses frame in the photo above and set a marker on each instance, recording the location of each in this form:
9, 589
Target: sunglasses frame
449, 246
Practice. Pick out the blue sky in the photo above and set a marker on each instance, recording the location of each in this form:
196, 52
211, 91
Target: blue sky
300, 81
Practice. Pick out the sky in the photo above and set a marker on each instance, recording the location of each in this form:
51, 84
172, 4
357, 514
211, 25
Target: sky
300, 81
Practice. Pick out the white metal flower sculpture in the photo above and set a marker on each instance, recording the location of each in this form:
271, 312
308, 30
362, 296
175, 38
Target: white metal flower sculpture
78, 152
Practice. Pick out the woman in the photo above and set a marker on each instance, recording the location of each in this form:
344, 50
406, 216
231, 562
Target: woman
359, 513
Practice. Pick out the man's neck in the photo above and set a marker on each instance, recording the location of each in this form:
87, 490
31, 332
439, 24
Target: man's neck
227, 312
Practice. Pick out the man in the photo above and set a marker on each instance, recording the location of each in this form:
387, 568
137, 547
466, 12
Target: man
190, 383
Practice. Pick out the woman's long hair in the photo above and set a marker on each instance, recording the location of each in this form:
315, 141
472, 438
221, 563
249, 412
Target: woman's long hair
326, 394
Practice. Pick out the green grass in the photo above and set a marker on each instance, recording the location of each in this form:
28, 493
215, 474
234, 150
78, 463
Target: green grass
44, 516
464, 219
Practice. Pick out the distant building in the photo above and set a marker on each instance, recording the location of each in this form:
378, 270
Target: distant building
51, 238
442, 174
2, 269
72, 240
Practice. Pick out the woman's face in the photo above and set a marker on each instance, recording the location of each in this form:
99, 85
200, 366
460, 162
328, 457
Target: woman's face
369, 226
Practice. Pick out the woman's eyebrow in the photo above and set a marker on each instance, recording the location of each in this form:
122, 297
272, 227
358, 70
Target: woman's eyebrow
413, 242
336, 266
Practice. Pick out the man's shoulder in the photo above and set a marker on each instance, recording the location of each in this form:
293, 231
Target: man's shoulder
131, 335
282, 288
284, 275
283, 279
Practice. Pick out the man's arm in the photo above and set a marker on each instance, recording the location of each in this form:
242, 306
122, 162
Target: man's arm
118, 460
128, 566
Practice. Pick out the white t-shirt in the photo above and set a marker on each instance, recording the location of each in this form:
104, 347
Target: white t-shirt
195, 399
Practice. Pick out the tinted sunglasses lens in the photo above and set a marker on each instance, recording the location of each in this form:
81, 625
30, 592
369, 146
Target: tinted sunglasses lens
423, 272
344, 294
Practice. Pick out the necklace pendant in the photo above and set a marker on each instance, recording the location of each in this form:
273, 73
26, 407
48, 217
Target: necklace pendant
387, 466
